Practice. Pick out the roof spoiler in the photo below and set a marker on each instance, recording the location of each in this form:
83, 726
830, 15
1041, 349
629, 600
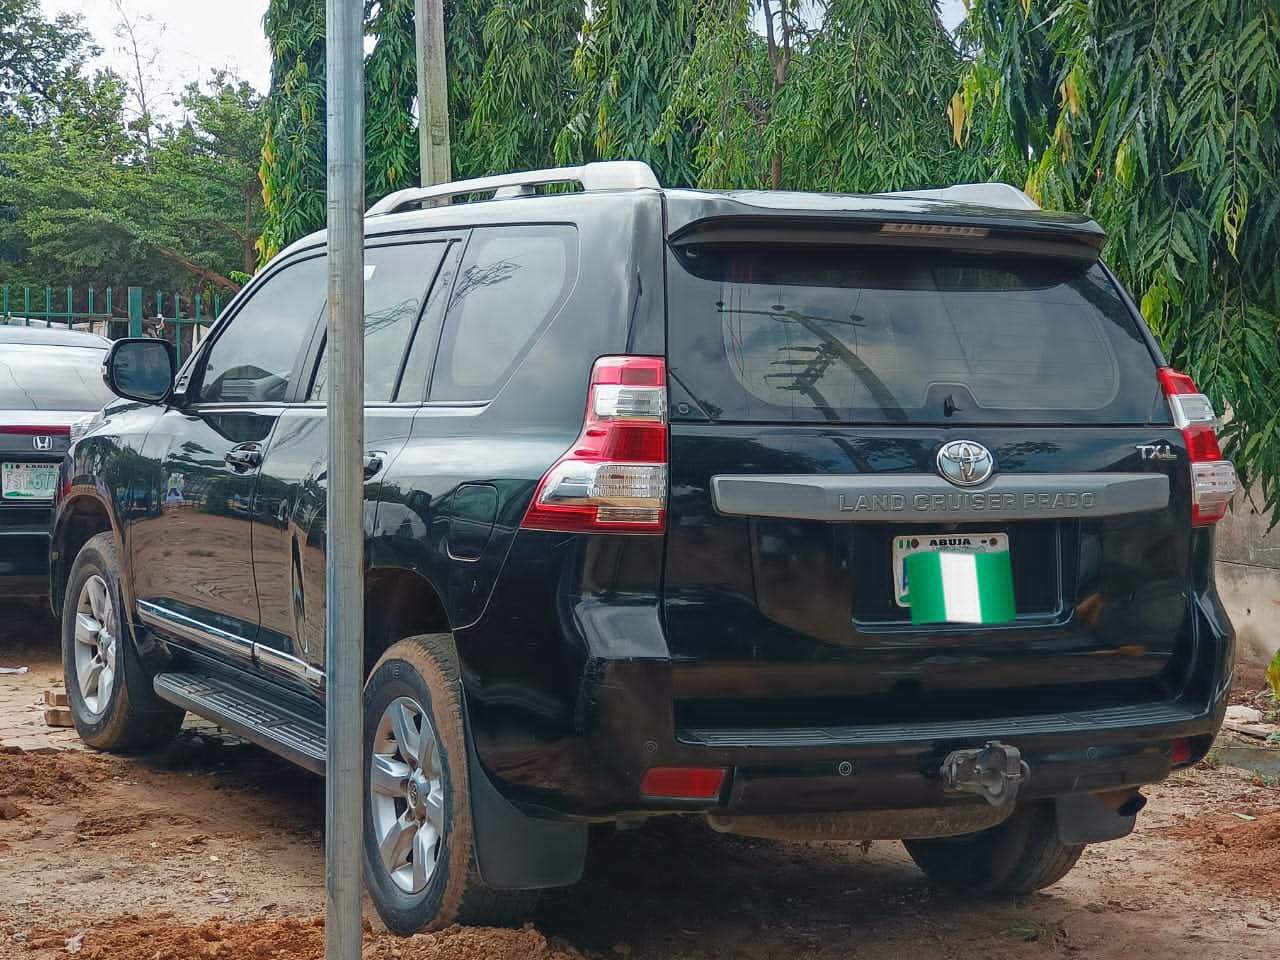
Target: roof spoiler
974, 194
937, 229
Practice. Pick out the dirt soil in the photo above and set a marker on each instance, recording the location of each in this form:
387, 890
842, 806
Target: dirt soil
215, 849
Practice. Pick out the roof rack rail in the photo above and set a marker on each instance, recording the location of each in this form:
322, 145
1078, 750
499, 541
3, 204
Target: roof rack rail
602, 175
977, 194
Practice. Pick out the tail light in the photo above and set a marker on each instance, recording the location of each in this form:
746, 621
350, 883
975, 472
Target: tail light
51, 430
1213, 479
682, 783
1180, 752
614, 479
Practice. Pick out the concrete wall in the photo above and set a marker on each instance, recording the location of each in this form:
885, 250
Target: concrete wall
1249, 579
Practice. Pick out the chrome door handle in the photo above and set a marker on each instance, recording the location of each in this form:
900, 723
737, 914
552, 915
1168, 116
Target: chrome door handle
246, 456
373, 464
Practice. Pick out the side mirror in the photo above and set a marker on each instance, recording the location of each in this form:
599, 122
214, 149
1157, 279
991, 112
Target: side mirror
140, 368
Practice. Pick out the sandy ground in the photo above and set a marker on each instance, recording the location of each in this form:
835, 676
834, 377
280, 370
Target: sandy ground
215, 849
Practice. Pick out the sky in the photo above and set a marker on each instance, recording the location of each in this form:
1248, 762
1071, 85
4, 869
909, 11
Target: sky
192, 37
189, 37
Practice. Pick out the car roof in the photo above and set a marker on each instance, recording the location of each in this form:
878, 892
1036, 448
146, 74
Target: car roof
16, 331
1001, 216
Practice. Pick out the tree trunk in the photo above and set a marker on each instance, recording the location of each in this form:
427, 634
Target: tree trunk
780, 62
246, 238
211, 276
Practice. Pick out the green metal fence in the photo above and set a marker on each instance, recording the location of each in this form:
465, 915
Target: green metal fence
182, 320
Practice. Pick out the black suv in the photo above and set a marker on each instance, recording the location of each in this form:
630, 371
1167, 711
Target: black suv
816, 516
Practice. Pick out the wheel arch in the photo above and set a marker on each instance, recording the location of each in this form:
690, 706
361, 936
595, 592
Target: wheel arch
399, 603
80, 517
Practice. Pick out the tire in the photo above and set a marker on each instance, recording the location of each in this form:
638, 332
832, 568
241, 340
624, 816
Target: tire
1019, 856
417, 804
111, 698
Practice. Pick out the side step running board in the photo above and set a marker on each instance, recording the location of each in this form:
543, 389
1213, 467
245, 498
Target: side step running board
294, 736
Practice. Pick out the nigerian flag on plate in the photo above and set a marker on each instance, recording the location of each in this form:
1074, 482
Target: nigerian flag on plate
947, 587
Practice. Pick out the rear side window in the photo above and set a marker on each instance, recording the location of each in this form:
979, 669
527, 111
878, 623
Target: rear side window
512, 282
857, 335
395, 279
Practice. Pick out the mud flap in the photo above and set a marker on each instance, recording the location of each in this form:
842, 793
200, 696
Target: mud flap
1085, 818
515, 851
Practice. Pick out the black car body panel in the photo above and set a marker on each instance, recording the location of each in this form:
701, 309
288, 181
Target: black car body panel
770, 645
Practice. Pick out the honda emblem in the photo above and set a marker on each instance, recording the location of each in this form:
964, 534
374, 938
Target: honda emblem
42, 443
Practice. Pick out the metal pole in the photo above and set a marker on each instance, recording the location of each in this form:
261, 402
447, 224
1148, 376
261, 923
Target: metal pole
433, 92
344, 580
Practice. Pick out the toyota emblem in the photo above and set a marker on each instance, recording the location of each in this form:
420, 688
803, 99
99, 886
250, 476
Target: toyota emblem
965, 463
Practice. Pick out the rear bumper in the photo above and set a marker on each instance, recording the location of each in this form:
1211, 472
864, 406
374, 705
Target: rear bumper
623, 725
24, 562
875, 768
570, 705
628, 730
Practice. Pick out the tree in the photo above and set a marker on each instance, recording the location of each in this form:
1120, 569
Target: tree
524, 89
839, 95
140, 38
466, 56
1163, 122
57, 173
391, 89
208, 167
628, 64
293, 153
37, 54
92, 205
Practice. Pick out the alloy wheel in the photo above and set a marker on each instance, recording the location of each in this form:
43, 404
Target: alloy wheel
406, 795
97, 644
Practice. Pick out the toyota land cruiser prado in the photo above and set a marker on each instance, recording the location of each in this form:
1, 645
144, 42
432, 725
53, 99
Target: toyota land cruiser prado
814, 516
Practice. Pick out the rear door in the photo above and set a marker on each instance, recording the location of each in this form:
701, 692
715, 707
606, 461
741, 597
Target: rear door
290, 518
837, 408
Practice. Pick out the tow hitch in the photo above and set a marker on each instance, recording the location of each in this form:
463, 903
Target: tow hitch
994, 772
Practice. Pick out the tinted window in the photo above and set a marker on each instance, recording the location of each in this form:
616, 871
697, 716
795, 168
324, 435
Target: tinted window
422, 352
395, 280
253, 358
52, 378
513, 280
850, 334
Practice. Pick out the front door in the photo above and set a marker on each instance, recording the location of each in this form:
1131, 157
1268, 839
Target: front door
192, 550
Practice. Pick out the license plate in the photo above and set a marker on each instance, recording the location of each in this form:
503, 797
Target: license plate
28, 481
904, 546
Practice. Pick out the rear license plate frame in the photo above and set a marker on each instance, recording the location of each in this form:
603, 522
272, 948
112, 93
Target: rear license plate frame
908, 543
22, 492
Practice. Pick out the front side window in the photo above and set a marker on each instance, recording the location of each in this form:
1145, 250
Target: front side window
512, 282
255, 355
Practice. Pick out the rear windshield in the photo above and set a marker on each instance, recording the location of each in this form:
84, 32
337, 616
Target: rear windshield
44, 377
849, 334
